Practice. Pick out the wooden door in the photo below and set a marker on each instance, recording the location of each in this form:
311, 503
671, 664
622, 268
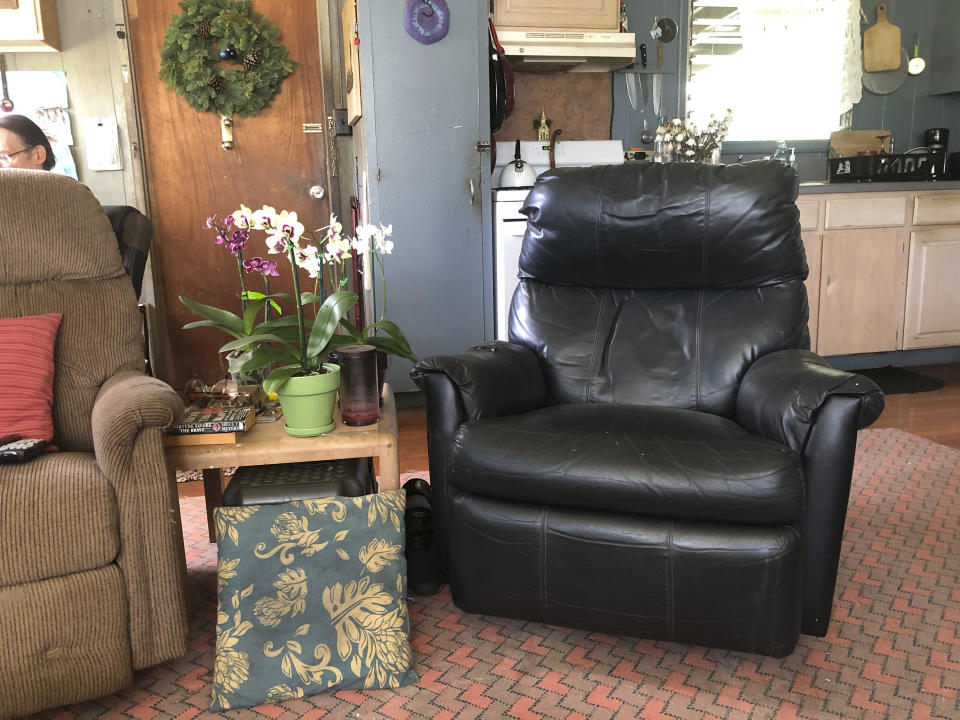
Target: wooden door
190, 177
862, 290
425, 107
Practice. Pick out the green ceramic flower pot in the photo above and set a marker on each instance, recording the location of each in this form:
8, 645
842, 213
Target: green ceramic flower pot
308, 402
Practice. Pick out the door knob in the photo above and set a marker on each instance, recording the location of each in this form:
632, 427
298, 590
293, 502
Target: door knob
317, 192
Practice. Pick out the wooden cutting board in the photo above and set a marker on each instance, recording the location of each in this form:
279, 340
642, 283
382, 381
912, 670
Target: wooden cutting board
881, 43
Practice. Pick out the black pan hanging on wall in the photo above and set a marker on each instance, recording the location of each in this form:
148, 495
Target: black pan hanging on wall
884, 82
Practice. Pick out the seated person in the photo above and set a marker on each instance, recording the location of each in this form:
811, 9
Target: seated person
24, 145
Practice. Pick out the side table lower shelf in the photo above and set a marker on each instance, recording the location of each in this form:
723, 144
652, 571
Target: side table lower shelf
269, 444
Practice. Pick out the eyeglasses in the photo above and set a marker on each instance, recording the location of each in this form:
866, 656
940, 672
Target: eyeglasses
6, 157
223, 393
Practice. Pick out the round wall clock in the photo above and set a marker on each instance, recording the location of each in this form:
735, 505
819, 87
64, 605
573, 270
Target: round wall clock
427, 21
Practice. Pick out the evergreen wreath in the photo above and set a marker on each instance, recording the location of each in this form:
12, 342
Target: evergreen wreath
209, 31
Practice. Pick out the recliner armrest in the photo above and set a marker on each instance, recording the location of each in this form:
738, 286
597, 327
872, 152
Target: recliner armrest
781, 393
126, 404
493, 379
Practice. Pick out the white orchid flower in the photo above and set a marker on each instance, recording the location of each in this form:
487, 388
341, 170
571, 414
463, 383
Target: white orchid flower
265, 218
289, 226
360, 245
335, 227
337, 250
366, 232
242, 218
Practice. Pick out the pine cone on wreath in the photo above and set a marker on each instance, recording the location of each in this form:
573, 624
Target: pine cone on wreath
252, 60
218, 85
203, 29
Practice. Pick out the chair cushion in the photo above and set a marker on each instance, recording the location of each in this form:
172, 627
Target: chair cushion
66, 518
311, 596
662, 462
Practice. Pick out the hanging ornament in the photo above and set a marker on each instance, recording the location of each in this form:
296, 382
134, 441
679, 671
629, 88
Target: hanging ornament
426, 21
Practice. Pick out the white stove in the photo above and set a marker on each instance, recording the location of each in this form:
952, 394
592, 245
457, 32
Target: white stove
509, 225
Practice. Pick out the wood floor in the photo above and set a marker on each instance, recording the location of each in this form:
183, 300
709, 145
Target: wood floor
933, 415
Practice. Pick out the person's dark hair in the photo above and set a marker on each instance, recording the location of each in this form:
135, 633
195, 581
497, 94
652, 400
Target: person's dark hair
31, 135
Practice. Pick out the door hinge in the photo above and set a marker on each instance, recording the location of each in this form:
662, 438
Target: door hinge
312, 127
483, 146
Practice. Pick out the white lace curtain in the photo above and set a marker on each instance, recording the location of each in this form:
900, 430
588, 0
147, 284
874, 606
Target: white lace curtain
797, 72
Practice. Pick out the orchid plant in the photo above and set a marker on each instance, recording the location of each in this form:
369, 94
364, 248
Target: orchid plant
285, 341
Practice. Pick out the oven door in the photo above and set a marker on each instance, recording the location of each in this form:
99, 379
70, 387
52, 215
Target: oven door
509, 227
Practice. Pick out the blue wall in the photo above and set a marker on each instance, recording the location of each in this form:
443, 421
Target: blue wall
906, 112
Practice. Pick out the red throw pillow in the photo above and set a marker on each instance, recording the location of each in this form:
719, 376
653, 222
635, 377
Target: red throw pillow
26, 375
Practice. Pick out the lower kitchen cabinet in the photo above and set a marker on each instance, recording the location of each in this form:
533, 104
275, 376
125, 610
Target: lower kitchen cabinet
882, 281
813, 246
862, 284
932, 316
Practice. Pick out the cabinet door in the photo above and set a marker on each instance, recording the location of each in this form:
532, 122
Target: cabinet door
862, 290
933, 294
545, 14
813, 245
29, 26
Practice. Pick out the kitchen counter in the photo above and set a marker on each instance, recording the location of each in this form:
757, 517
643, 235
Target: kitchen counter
816, 188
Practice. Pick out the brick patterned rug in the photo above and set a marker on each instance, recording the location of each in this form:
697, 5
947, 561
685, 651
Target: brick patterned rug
893, 650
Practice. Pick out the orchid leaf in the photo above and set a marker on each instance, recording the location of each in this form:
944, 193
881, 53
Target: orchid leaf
225, 318
250, 314
353, 331
254, 295
252, 340
310, 298
278, 376
333, 310
399, 345
277, 323
261, 357
392, 347
212, 323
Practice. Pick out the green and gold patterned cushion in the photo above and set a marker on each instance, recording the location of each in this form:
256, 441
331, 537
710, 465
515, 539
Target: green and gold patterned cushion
311, 595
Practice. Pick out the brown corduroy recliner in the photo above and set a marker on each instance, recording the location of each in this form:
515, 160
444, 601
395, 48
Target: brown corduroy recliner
92, 565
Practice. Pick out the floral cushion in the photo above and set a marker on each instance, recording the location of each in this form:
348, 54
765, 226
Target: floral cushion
311, 595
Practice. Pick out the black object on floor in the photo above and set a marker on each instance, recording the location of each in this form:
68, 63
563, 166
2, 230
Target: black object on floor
895, 380
423, 576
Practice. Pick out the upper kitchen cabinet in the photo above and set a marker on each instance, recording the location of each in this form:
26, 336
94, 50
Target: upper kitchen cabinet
559, 14
29, 26
945, 55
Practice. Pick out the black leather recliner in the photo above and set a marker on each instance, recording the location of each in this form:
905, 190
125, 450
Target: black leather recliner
655, 452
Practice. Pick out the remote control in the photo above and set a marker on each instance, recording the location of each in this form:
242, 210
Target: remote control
21, 450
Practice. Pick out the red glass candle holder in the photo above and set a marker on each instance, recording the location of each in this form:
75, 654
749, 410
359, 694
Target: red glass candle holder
359, 399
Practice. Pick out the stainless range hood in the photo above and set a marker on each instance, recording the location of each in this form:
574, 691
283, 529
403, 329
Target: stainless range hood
567, 50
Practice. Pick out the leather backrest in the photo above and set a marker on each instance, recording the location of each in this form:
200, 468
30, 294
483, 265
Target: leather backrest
659, 284
58, 253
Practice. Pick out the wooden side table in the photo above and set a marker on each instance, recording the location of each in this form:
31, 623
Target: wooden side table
269, 444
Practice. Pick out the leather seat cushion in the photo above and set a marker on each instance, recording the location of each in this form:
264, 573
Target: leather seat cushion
66, 518
662, 462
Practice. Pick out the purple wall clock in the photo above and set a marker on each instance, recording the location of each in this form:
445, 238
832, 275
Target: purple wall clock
426, 21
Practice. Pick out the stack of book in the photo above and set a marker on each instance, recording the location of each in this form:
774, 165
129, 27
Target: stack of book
211, 425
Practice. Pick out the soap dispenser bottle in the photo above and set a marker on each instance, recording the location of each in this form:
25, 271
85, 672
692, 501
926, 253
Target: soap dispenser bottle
793, 159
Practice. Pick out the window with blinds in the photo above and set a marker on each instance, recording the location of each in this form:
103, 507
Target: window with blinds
787, 69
